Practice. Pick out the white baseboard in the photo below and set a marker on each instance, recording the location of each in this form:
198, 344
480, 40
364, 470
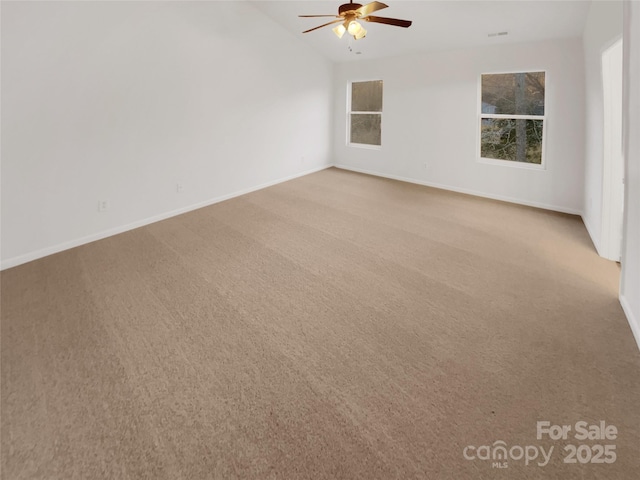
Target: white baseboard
28, 257
476, 193
634, 322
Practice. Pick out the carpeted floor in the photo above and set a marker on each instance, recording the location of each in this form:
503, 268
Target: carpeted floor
334, 326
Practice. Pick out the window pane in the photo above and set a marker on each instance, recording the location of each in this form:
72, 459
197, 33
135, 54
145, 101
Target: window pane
366, 96
513, 93
366, 128
511, 139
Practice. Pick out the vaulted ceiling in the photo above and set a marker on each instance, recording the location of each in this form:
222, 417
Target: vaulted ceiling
437, 25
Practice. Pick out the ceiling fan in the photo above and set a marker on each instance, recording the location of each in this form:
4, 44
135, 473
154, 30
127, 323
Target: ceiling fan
350, 13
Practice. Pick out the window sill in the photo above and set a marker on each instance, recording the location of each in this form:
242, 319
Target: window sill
365, 146
511, 163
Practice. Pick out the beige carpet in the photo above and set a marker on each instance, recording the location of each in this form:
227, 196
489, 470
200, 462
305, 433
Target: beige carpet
334, 326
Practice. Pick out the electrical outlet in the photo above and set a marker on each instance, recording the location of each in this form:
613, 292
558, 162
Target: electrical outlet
103, 205
179, 188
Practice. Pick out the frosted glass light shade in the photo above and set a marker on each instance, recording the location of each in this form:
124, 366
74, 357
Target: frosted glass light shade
361, 34
354, 28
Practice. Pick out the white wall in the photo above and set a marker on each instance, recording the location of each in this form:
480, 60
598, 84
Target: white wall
603, 28
431, 115
630, 281
123, 100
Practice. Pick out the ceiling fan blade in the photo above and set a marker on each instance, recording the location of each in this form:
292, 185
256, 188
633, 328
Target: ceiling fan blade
389, 21
365, 10
315, 16
316, 28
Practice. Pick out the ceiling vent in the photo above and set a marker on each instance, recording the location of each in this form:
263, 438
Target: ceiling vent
498, 34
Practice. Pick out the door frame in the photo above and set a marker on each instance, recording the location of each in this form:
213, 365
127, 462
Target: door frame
613, 161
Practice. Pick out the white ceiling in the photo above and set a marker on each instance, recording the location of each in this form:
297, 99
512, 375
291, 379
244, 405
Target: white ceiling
437, 25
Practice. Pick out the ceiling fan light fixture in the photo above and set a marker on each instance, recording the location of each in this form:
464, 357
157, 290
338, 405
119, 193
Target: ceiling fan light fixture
361, 34
339, 30
354, 28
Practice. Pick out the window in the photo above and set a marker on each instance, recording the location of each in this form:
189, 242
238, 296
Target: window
512, 117
365, 113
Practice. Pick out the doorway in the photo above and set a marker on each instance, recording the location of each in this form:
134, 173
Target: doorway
613, 165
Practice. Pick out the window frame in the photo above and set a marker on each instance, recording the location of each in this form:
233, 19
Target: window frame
512, 163
350, 112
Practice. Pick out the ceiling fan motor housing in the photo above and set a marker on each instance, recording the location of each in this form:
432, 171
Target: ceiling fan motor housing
348, 7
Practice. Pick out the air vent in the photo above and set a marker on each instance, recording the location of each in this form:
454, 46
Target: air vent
498, 34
